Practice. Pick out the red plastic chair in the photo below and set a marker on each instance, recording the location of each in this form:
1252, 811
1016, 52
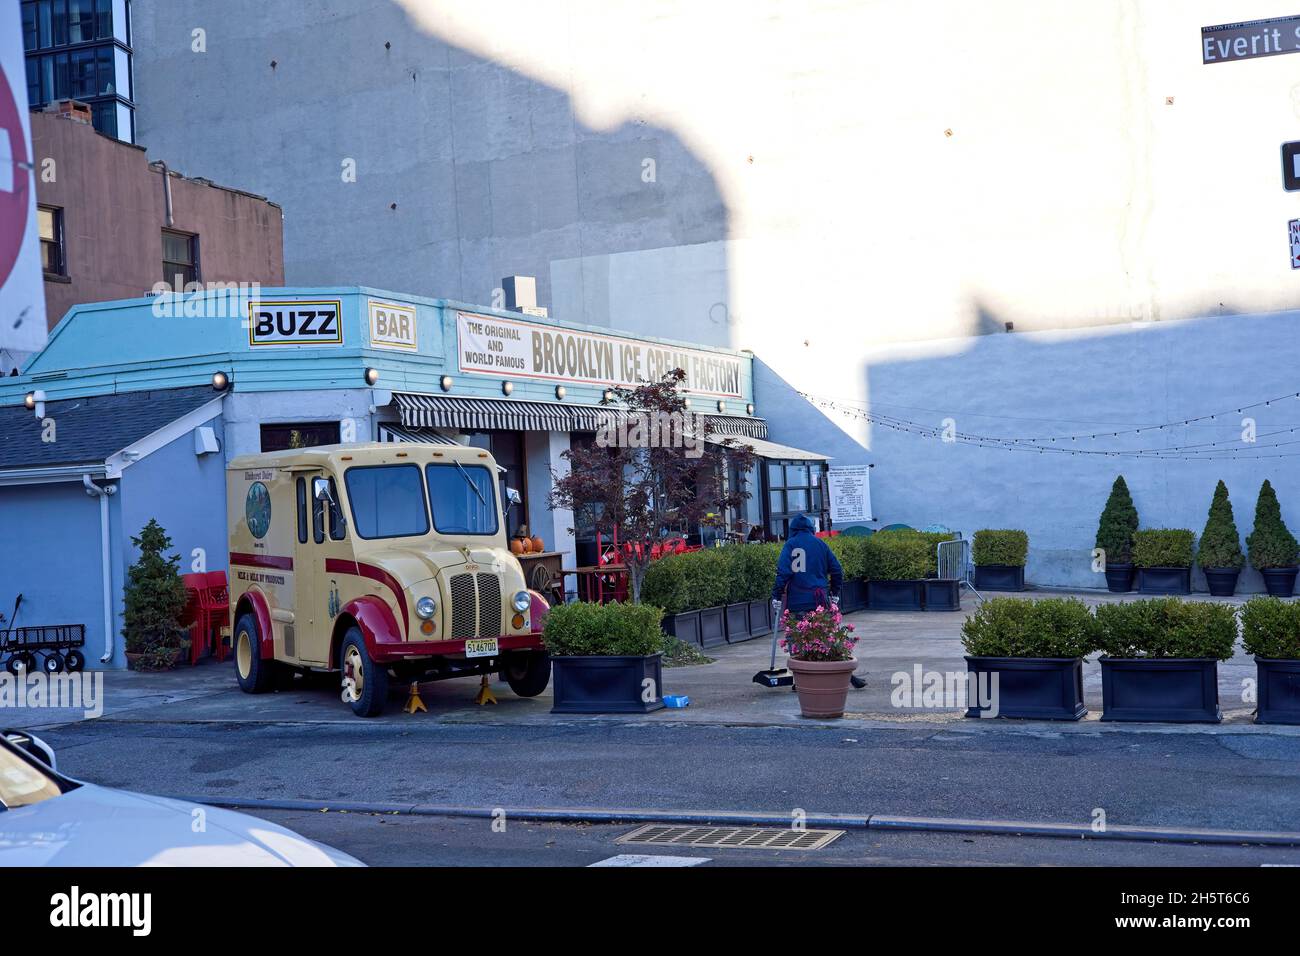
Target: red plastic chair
194, 617
216, 605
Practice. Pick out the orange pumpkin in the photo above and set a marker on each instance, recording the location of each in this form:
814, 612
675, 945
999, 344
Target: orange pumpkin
516, 546
538, 544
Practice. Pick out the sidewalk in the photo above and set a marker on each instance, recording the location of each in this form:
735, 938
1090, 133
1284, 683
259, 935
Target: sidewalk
721, 693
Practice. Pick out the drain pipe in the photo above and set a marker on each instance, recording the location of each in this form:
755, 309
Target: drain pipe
167, 194
106, 572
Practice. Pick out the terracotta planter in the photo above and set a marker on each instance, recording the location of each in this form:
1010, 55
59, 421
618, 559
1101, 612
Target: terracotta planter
823, 686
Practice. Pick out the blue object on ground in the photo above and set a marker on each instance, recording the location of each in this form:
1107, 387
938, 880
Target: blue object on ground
676, 700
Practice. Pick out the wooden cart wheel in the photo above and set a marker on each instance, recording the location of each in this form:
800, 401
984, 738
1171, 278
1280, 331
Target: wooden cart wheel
539, 579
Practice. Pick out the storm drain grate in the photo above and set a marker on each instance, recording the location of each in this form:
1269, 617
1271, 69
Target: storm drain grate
750, 838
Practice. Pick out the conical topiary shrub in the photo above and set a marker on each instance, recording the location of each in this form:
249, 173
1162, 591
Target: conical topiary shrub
1220, 541
154, 600
1119, 519
1272, 547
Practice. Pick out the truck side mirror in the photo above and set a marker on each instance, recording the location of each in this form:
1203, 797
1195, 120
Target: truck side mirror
512, 498
320, 489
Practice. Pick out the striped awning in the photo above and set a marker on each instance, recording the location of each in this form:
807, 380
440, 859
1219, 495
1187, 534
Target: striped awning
480, 414
426, 436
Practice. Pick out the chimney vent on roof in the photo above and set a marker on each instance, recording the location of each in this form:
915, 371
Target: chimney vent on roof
521, 295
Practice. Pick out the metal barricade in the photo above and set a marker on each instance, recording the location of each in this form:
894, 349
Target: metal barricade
953, 562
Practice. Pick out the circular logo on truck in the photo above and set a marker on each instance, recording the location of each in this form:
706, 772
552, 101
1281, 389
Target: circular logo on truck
257, 509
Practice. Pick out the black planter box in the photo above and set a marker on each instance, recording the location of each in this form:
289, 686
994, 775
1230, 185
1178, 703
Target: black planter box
1279, 581
1119, 578
713, 627
1279, 691
1183, 690
894, 595
942, 594
760, 618
684, 626
853, 596
1164, 580
737, 620
1222, 582
999, 577
1045, 688
605, 685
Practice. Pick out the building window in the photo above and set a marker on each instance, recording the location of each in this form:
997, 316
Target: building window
50, 222
793, 488
279, 436
180, 259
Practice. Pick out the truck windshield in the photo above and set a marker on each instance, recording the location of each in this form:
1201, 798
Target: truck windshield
387, 501
463, 498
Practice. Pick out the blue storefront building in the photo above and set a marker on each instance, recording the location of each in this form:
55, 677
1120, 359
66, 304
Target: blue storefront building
133, 408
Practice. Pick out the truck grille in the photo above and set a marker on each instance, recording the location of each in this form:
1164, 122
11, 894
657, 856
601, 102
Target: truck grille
475, 606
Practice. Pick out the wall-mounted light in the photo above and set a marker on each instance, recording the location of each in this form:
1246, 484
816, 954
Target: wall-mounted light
445, 383
609, 395
560, 392
722, 406
686, 403
749, 409
507, 387
372, 376
220, 381
35, 402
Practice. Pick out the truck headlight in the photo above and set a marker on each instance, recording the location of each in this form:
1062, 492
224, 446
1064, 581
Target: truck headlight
522, 601
426, 607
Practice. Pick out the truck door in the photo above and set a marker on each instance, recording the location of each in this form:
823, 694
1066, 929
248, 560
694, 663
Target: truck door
310, 614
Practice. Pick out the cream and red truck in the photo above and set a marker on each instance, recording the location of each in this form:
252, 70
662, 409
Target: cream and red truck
377, 561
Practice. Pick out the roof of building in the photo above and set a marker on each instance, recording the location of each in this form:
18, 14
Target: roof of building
90, 430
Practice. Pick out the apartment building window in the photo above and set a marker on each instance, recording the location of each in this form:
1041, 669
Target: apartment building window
180, 259
50, 222
81, 49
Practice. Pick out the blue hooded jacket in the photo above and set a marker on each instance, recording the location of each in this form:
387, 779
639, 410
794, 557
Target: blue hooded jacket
806, 562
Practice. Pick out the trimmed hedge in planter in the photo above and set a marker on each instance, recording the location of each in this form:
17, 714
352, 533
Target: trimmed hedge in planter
999, 556
1270, 630
1220, 554
1035, 649
601, 656
1119, 519
896, 565
1163, 557
1273, 549
709, 597
1161, 659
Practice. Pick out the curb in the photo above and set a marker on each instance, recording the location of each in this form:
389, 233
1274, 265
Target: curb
1071, 831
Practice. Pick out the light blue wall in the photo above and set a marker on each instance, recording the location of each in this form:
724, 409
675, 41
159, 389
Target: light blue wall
51, 555
1062, 384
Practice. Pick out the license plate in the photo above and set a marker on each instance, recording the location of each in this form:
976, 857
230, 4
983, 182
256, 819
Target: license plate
481, 648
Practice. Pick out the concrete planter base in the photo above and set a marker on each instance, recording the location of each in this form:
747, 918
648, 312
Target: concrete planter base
1279, 691
999, 577
1042, 688
606, 685
1164, 580
1183, 690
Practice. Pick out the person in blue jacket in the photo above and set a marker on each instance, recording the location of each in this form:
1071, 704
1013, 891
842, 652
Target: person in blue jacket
802, 572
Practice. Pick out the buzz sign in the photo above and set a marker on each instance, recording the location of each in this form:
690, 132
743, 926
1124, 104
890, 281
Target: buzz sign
302, 323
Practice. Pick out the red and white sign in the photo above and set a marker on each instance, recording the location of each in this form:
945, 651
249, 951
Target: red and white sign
22, 288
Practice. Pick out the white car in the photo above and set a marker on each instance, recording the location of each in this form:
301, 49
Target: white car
47, 819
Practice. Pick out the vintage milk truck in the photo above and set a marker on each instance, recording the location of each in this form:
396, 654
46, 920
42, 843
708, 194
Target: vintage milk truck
377, 561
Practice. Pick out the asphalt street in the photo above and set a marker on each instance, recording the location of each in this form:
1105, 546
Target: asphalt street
1215, 781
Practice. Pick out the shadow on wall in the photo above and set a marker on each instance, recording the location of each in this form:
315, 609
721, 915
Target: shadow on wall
403, 161
1070, 386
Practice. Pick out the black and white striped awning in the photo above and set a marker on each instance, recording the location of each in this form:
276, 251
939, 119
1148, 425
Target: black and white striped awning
480, 414
426, 436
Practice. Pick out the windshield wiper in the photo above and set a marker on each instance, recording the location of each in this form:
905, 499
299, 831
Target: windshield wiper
470, 481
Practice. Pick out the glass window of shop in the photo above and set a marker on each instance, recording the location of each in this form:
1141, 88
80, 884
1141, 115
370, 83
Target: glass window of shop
793, 488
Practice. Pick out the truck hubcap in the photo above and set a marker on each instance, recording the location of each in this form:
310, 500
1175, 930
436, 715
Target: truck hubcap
354, 667
244, 654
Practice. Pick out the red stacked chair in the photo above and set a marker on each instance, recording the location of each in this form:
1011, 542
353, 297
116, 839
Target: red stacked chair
206, 612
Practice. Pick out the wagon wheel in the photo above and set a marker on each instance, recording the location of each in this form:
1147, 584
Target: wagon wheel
540, 579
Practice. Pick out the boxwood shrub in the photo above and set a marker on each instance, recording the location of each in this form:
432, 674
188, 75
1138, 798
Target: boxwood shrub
1018, 627
1163, 548
1270, 628
603, 629
850, 551
711, 577
1167, 627
1270, 543
1000, 546
897, 556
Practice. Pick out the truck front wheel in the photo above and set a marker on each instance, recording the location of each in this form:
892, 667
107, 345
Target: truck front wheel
365, 683
255, 675
527, 672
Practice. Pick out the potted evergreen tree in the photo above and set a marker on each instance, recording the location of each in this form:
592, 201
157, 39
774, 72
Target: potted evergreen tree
1163, 557
1160, 659
999, 558
1270, 630
1029, 654
1119, 519
605, 658
1271, 546
820, 646
1220, 554
154, 598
